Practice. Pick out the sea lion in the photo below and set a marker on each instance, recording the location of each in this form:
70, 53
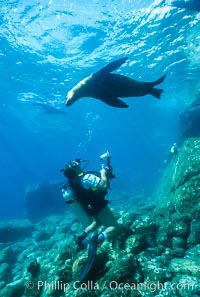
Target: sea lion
107, 87
49, 109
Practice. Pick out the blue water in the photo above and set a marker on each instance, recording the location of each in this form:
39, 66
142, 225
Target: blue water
46, 47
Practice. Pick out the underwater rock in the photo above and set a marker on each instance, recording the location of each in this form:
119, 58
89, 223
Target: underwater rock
44, 199
41, 235
144, 224
155, 265
5, 270
2, 285
194, 237
175, 252
163, 238
127, 219
148, 249
186, 285
185, 266
155, 272
7, 255
122, 269
122, 235
189, 120
147, 227
189, 265
194, 252
15, 230
66, 249
179, 188
135, 244
178, 226
178, 242
14, 289
173, 233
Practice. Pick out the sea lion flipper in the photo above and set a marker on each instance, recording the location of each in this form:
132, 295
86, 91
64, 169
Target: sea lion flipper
111, 66
154, 91
114, 102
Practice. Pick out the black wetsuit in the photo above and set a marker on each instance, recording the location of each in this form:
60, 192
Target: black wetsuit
92, 200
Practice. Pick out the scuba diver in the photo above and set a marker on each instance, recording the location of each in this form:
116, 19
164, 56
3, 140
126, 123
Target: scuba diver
173, 152
87, 190
85, 193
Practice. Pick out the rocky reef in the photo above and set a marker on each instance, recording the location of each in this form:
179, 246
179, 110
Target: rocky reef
155, 253
179, 190
189, 119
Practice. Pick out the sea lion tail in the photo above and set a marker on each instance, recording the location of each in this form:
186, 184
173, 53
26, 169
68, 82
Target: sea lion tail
159, 81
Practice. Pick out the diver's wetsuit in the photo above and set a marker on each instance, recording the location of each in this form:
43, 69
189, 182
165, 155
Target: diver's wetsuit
93, 200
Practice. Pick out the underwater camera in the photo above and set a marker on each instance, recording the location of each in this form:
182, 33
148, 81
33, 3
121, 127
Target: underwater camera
105, 156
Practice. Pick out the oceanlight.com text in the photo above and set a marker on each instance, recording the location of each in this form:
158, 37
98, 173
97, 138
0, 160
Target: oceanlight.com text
153, 286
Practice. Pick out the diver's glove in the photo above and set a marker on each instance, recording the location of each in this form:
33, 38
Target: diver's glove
109, 171
105, 167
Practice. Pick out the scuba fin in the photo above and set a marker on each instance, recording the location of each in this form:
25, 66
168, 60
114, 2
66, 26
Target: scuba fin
91, 257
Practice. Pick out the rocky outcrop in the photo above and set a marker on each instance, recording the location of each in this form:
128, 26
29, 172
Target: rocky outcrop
178, 198
44, 199
179, 189
15, 230
134, 263
189, 120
